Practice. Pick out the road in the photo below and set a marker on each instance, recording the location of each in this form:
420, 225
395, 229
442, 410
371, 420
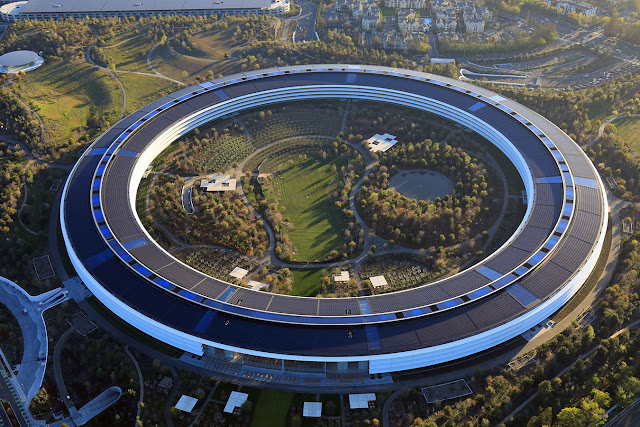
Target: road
34, 331
306, 19
630, 417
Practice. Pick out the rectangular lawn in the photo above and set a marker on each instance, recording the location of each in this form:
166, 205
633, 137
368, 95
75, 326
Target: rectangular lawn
305, 192
628, 129
272, 408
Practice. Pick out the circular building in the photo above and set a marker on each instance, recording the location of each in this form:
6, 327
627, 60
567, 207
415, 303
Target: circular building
20, 60
222, 325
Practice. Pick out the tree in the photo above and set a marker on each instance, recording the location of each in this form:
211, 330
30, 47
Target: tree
545, 388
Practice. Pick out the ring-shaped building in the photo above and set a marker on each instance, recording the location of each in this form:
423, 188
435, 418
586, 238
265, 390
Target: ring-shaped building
537, 270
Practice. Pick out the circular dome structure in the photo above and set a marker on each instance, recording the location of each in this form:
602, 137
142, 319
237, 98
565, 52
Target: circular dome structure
20, 60
539, 268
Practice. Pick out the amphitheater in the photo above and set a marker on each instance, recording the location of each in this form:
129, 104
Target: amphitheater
539, 268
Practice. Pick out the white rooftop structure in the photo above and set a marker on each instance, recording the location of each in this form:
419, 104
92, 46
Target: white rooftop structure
361, 401
342, 277
9, 11
381, 142
55, 9
238, 273
378, 281
186, 403
219, 183
312, 409
235, 401
19, 60
257, 285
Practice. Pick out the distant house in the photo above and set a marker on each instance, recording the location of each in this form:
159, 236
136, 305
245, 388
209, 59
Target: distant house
406, 4
571, 6
219, 183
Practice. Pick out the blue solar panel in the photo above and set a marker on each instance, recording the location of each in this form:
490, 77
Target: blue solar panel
567, 178
521, 270
127, 153
550, 180
100, 257
96, 183
151, 114
585, 182
489, 273
221, 94
225, 296
206, 85
98, 215
479, 292
504, 281
185, 293
183, 97
562, 225
569, 194
136, 125
373, 338
364, 307
477, 106
211, 303
97, 151
95, 200
522, 295
160, 281
536, 258
557, 155
568, 208
205, 321
134, 244
142, 270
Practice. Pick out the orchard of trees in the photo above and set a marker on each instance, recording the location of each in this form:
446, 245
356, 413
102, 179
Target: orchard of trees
220, 219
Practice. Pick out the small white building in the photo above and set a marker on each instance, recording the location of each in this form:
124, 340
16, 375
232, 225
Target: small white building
186, 403
381, 142
342, 277
361, 401
219, 183
378, 281
236, 400
238, 272
312, 409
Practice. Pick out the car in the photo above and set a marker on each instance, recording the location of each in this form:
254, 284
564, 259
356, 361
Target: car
24, 311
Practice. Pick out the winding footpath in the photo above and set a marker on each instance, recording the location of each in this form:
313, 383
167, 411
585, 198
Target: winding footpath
140, 381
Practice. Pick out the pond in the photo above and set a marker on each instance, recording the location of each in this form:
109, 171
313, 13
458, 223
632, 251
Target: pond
421, 184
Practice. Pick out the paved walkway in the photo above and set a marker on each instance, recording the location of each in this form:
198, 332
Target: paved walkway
140, 381
28, 312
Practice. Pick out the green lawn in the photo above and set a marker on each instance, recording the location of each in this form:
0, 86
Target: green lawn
186, 68
64, 92
142, 89
271, 408
306, 282
130, 55
213, 43
628, 129
305, 193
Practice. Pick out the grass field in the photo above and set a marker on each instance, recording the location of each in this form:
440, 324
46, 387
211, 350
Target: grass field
142, 90
130, 55
185, 68
305, 192
214, 43
306, 282
64, 93
628, 129
271, 408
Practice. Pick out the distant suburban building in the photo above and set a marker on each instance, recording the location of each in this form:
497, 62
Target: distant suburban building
219, 183
371, 17
406, 4
571, 6
59, 9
